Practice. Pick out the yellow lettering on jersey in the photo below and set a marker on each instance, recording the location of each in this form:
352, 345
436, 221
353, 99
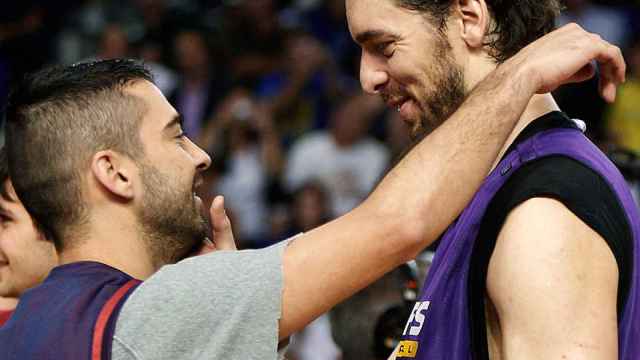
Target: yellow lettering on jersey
408, 348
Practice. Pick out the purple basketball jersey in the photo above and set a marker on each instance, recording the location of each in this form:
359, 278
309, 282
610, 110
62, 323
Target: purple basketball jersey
439, 326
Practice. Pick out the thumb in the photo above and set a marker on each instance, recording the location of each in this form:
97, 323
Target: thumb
221, 225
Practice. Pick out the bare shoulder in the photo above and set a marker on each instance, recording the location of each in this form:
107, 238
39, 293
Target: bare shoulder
553, 279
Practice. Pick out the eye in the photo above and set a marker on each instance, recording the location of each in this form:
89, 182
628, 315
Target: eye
181, 139
385, 49
183, 135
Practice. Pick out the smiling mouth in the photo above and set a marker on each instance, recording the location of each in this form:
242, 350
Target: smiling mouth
396, 103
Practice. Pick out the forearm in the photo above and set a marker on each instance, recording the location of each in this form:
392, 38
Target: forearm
436, 180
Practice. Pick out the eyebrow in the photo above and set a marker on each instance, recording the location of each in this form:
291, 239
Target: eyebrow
177, 120
369, 35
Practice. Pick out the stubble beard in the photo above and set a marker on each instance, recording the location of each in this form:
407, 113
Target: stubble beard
170, 223
445, 97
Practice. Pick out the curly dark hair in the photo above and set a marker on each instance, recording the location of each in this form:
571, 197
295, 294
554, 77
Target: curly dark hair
516, 23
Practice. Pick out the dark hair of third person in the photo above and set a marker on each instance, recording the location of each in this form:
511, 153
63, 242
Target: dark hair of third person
4, 173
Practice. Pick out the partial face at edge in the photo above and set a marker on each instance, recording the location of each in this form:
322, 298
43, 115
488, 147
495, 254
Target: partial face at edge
26, 257
407, 62
169, 211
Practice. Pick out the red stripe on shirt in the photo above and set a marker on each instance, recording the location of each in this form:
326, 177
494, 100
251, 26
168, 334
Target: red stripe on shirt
103, 319
4, 316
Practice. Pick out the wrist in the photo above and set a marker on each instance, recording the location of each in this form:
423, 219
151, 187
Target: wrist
522, 76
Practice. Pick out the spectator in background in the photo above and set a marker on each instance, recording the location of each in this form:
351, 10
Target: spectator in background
311, 209
165, 78
199, 89
302, 88
114, 43
396, 136
250, 149
581, 100
328, 23
254, 37
606, 21
27, 29
158, 21
344, 159
623, 117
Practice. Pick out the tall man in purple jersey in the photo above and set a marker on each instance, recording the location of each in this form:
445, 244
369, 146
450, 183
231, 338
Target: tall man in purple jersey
124, 206
542, 264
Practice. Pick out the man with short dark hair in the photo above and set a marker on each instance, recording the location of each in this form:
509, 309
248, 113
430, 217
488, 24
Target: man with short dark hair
130, 174
540, 265
26, 257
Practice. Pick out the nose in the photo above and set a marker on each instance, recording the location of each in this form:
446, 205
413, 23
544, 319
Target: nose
373, 77
202, 159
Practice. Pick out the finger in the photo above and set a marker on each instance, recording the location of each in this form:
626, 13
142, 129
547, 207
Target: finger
206, 248
612, 71
587, 72
222, 231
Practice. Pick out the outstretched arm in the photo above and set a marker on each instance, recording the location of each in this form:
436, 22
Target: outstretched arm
424, 193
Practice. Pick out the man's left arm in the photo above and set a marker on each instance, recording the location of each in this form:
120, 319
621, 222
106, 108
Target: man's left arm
553, 281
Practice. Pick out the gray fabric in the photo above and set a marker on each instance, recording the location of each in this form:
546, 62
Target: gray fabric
224, 305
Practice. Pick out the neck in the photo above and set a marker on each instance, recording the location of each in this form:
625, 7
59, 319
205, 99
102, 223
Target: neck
538, 106
121, 247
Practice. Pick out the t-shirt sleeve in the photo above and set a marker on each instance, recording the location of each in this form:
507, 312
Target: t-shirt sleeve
224, 305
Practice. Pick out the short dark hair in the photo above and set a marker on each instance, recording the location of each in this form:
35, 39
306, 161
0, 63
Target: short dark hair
4, 173
57, 119
515, 23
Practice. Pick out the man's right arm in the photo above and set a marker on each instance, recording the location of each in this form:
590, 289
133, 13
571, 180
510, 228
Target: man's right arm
424, 193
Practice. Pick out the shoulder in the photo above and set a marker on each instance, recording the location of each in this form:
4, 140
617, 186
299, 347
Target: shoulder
553, 205
549, 269
583, 191
199, 302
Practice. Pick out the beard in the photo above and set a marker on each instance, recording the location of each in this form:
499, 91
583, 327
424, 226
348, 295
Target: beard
171, 223
445, 97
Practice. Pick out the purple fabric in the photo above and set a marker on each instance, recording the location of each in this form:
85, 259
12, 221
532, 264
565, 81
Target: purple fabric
439, 327
56, 319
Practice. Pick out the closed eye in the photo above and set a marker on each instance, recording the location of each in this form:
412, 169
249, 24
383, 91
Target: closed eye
385, 49
181, 138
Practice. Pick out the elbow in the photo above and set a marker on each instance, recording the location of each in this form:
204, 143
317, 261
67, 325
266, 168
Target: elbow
412, 239
401, 226
405, 233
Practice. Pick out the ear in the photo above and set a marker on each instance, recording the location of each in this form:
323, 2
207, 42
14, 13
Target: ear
113, 171
475, 18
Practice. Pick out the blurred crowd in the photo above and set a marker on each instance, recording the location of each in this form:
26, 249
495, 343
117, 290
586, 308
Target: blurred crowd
270, 89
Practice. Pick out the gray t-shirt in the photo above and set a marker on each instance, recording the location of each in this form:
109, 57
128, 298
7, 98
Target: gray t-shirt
224, 305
